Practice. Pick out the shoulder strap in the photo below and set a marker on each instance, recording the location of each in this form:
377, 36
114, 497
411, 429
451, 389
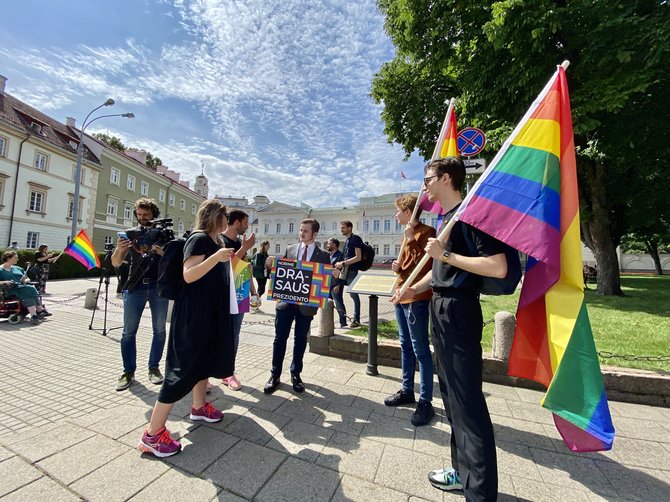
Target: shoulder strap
473, 249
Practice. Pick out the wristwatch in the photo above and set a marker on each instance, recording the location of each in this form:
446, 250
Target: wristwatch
445, 256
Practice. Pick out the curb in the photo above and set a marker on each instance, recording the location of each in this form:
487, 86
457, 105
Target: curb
622, 384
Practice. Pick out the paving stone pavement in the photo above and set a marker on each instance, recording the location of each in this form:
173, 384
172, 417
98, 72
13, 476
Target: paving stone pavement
66, 434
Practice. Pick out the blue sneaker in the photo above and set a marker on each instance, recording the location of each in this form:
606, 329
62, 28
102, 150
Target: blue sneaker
447, 480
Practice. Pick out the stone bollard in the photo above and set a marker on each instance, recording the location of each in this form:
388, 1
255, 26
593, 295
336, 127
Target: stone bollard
89, 299
327, 320
503, 334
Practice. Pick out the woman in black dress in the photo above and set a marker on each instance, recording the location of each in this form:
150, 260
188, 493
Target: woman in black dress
42, 260
200, 343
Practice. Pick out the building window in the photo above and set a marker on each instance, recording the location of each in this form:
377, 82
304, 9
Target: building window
397, 249
172, 200
108, 240
266, 229
277, 248
161, 195
70, 207
112, 206
387, 249
375, 227
181, 226
114, 176
33, 240
278, 228
127, 212
334, 228
423, 220
366, 226
3, 145
193, 209
376, 248
398, 227
434, 221
387, 226
144, 188
37, 199
182, 204
82, 176
291, 227
41, 161
130, 184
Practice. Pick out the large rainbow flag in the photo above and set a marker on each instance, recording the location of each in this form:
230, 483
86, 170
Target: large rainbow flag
447, 146
528, 198
81, 249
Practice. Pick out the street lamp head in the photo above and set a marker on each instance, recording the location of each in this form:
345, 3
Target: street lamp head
109, 102
129, 115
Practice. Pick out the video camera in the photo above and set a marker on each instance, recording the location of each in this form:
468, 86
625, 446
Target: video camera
155, 232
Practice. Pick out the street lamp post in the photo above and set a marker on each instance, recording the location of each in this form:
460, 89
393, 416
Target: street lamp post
80, 154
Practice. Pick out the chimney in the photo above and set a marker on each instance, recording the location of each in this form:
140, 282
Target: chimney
3, 81
70, 122
138, 155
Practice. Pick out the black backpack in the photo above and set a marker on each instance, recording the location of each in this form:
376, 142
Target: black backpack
367, 257
491, 285
171, 269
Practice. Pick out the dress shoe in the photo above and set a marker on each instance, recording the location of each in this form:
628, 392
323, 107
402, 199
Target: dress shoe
297, 383
272, 385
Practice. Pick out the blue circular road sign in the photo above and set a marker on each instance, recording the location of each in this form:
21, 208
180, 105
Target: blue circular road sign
471, 141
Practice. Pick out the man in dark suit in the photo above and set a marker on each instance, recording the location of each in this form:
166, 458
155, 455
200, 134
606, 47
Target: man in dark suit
287, 313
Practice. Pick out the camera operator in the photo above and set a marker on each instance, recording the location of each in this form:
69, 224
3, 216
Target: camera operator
141, 288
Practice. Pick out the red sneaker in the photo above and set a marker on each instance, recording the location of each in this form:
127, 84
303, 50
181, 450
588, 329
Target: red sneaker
207, 413
161, 444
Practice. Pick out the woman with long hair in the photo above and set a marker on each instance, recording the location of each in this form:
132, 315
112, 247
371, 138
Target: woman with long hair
200, 343
42, 260
16, 281
259, 270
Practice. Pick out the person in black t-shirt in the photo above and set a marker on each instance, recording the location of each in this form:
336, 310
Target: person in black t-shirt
353, 254
456, 327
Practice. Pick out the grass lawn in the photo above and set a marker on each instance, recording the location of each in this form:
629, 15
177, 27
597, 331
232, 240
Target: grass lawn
632, 327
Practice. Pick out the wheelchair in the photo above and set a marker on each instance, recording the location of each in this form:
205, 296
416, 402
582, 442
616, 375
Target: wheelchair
11, 308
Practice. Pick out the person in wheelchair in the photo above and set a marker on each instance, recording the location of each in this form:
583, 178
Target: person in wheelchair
16, 281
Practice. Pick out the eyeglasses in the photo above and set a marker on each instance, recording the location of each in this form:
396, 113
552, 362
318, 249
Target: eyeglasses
427, 179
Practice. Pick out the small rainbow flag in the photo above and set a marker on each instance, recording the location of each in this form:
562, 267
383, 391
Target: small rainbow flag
528, 198
81, 249
447, 146
242, 274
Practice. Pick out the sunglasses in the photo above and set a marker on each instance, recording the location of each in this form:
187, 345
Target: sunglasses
427, 179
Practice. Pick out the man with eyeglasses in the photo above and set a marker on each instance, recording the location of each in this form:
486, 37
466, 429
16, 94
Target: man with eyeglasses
456, 327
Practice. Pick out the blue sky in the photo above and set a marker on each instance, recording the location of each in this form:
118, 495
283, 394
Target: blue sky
272, 95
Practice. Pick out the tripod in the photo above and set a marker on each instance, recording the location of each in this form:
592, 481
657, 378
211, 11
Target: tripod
104, 278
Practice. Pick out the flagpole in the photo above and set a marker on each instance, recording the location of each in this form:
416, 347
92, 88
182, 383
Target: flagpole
447, 229
56, 259
436, 154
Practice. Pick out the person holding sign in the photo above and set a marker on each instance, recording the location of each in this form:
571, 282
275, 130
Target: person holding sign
412, 316
456, 327
288, 313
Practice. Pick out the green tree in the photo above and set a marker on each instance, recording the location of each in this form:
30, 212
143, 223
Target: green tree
153, 161
112, 141
496, 56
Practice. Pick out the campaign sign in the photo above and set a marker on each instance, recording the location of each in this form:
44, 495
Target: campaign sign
300, 282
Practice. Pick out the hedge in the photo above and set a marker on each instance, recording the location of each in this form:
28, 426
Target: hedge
65, 267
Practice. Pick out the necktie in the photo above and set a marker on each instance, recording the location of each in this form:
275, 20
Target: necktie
304, 254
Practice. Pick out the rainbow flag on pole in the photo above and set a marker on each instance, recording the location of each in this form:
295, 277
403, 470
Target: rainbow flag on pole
447, 146
81, 249
528, 198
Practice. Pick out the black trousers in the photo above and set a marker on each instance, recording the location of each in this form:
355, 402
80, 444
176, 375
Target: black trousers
456, 328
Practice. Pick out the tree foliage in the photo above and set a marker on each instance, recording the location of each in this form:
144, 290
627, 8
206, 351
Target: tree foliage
153, 161
117, 144
495, 57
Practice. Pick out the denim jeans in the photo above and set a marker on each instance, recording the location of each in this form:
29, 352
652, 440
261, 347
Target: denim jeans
339, 304
354, 296
133, 305
413, 332
283, 321
237, 326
